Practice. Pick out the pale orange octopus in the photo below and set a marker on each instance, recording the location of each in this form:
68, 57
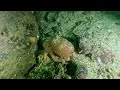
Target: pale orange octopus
60, 49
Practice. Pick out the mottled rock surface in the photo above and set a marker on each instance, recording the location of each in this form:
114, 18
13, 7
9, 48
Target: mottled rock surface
18, 38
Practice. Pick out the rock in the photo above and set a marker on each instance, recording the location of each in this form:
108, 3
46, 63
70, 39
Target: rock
18, 43
81, 72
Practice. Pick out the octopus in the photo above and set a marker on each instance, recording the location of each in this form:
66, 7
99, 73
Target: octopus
107, 56
83, 45
95, 52
59, 49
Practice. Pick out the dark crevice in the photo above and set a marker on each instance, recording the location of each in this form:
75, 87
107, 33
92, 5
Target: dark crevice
26, 75
71, 68
46, 17
2, 33
89, 55
75, 41
36, 55
39, 47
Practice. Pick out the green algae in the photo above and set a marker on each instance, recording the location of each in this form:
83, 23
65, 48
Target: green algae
17, 51
99, 29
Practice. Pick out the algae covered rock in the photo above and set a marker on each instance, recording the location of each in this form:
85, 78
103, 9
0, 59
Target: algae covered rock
18, 43
95, 36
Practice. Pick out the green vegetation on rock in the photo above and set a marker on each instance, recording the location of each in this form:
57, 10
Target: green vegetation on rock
95, 35
18, 37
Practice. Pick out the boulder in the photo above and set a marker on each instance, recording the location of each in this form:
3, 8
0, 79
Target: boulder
18, 43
